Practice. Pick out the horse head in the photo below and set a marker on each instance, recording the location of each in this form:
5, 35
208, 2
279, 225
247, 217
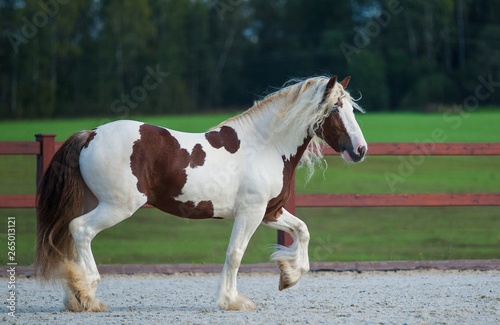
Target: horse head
339, 129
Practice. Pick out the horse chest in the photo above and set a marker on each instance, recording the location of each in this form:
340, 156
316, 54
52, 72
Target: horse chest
274, 206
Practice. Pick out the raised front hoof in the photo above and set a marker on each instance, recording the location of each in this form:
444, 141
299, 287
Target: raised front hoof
289, 276
286, 282
75, 303
239, 303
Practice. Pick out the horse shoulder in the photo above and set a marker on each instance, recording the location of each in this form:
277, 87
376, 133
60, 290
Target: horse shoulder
263, 178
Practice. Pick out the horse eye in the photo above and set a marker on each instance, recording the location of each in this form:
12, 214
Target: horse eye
335, 109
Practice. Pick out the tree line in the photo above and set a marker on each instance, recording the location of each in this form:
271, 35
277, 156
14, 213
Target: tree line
118, 58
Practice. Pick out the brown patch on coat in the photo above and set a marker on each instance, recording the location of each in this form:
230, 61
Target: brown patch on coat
339, 103
225, 137
333, 131
92, 134
275, 205
197, 156
202, 210
159, 163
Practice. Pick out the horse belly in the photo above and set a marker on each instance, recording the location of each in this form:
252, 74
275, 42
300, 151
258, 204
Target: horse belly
185, 209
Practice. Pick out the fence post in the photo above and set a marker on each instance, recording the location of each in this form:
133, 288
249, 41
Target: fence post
47, 151
284, 238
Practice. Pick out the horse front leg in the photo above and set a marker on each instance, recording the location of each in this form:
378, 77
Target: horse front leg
293, 261
244, 227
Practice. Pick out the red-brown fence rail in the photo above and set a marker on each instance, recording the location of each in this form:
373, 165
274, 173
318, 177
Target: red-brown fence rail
401, 200
45, 146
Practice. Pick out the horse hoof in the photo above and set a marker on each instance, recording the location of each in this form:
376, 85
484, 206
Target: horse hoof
288, 276
97, 306
285, 282
240, 303
76, 303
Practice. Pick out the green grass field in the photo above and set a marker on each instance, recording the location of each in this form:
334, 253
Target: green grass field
337, 234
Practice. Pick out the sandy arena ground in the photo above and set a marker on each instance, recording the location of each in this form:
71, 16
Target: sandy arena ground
411, 297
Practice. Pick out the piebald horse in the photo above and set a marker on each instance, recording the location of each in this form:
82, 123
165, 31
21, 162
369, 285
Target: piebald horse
101, 177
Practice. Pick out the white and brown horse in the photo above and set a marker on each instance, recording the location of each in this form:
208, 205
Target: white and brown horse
101, 177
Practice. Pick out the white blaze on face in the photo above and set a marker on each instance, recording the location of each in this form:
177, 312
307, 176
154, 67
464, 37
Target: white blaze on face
353, 129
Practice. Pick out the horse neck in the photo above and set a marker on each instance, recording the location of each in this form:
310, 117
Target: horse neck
259, 124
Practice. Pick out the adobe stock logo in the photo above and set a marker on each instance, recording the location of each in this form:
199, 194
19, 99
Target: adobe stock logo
371, 29
48, 10
139, 93
407, 166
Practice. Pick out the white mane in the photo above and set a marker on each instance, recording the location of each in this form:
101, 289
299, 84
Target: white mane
298, 106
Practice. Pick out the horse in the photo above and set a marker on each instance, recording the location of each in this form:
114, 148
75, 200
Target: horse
102, 176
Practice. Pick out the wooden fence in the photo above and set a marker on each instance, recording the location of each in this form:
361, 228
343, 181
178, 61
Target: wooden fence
45, 146
401, 200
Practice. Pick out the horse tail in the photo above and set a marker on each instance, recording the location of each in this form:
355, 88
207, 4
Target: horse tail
59, 200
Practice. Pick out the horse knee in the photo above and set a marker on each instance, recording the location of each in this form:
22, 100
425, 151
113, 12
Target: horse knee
303, 232
81, 234
233, 257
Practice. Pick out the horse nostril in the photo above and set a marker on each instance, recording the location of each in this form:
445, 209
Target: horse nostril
362, 150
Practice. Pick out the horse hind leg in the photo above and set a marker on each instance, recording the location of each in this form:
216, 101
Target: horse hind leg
293, 261
81, 277
79, 287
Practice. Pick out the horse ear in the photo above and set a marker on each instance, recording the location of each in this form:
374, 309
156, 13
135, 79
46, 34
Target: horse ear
329, 87
331, 83
345, 82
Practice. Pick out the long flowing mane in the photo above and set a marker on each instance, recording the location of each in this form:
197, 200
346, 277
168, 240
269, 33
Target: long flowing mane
298, 105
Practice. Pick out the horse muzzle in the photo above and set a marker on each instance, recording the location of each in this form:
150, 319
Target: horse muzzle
351, 155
